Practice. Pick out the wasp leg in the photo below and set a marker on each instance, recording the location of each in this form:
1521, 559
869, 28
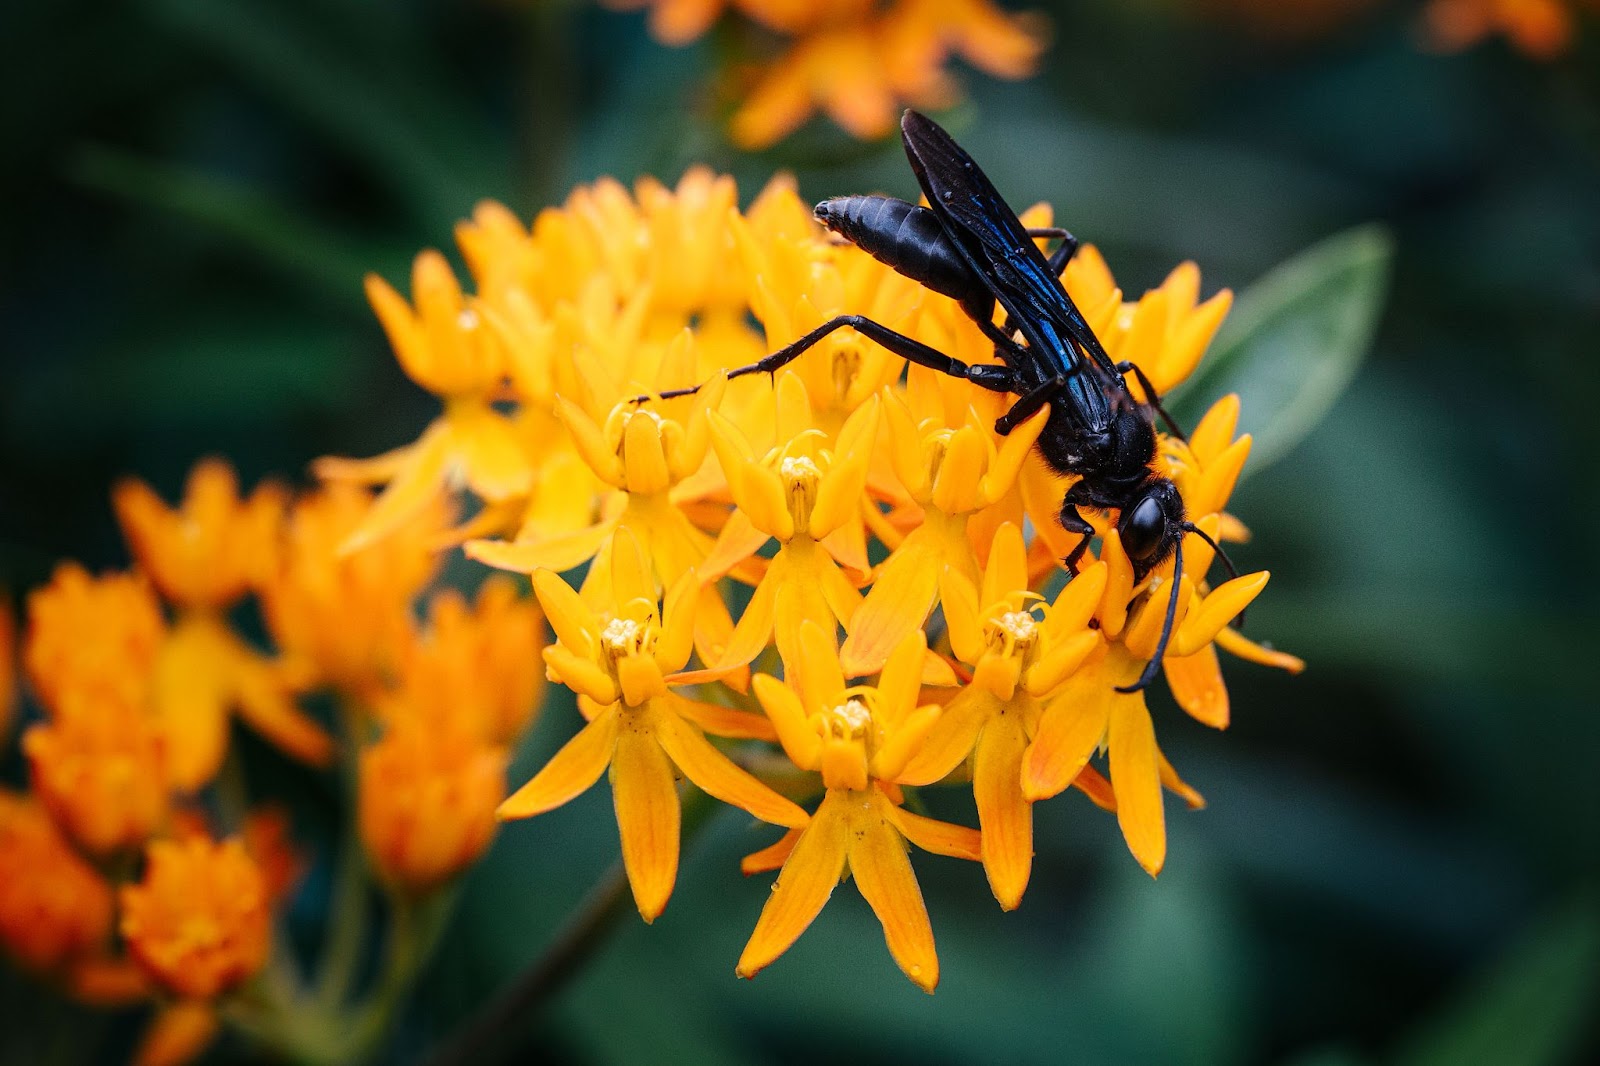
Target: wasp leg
1064, 252
1073, 522
993, 378
1028, 403
1152, 397
1154, 664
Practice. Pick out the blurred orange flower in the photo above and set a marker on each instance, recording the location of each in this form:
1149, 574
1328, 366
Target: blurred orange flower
199, 922
1542, 29
54, 908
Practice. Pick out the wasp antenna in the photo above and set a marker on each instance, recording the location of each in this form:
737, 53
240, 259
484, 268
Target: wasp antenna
1227, 563
1154, 664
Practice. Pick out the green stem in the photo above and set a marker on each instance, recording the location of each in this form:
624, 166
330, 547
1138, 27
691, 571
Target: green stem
416, 926
346, 932
483, 1039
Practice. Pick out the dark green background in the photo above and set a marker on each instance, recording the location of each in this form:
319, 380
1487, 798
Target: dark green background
1399, 861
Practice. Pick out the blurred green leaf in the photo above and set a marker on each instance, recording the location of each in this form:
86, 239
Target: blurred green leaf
306, 252
1528, 1009
1295, 340
413, 133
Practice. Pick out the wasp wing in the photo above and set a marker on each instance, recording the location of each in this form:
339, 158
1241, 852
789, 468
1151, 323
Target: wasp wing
997, 245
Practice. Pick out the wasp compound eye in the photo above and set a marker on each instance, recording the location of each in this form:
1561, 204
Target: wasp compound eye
1143, 528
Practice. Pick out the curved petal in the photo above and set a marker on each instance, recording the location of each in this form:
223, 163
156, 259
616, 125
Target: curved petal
648, 814
1004, 815
772, 856
1072, 726
883, 874
950, 740
1218, 609
1196, 683
572, 770
723, 721
1136, 779
716, 775
1236, 643
800, 742
899, 602
932, 835
803, 887
416, 484
560, 553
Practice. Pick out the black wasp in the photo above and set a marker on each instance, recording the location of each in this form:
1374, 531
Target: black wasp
969, 245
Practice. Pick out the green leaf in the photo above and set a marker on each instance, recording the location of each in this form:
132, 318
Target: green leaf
304, 251
1528, 1009
1295, 340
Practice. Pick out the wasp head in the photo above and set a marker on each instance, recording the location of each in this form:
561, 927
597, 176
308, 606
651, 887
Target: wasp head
1150, 524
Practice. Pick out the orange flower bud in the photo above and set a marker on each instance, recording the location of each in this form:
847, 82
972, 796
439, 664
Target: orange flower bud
427, 802
100, 768
54, 908
96, 635
200, 922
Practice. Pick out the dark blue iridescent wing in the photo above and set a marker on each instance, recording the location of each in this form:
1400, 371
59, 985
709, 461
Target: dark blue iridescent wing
998, 247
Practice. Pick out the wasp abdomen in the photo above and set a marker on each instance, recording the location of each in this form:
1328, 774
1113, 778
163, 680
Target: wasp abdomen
904, 237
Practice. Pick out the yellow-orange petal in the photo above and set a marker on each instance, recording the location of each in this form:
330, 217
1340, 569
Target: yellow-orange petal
772, 856
178, 1034
716, 775
1237, 644
1136, 778
581, 675
1196, 683
646, 802
950, 740
724, 721
900, 601
1058, 663
1216, 480
265, 703
1094, 785
883, 874
572, 770
558, 554
1119, 585
962, 623
800, 742
1005, 817
575, 623
932, 835
807, 880
890, 760
900, 684
817, 676
590, 441
1177, 785
417, 484
490, 452
1079, 600
1071, 728
191, 704
1014, 449
1215, 430
737, 541
1219, 608
753, 632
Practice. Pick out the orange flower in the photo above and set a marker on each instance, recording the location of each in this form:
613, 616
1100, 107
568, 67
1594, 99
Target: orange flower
446, 347
621, 659
427, 802
860, 740
802, 493
344, 619
951, 472
1541, 29
1019, 660
96, 636
209, 551
8, 667
100, 767
55, 909
199, 922
863, 64
474, 668
204, 671
1089, 713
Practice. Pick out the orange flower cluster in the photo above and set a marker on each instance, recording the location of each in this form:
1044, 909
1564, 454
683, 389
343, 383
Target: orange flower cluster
138, 675
1542, 29
859, 61
823, 522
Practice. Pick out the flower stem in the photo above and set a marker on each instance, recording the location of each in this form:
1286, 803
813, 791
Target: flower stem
484, 1038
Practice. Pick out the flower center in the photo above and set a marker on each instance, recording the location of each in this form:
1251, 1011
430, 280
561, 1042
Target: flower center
801, 476
623, 636
1012, 633
850, 720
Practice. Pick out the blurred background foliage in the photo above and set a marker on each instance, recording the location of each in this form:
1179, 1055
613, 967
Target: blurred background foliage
1399, 861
